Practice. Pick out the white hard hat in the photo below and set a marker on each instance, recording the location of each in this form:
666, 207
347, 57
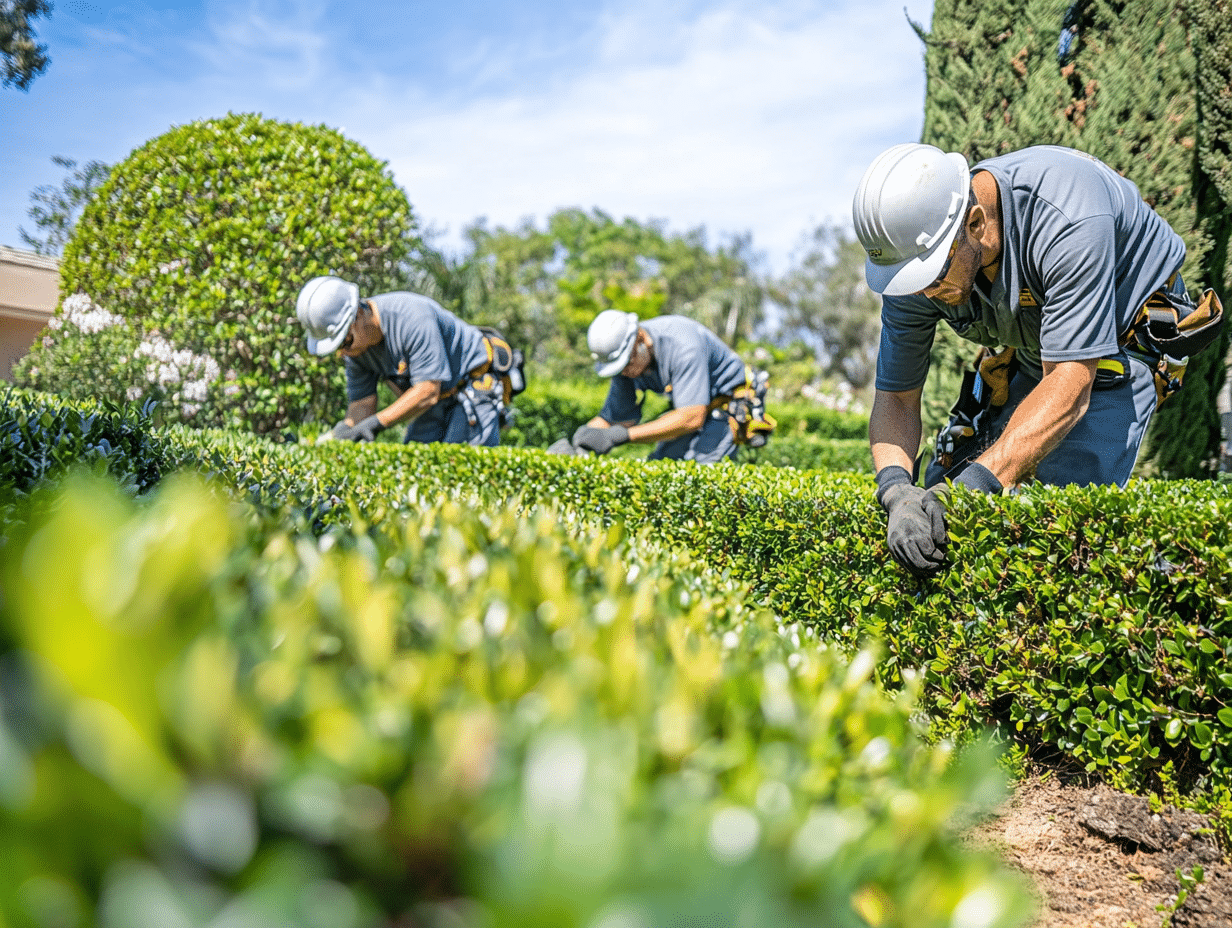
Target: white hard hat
907, 210
611, 337
326, 307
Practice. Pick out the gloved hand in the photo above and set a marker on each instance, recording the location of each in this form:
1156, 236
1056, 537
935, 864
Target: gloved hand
562, 446
331, 435
364, 430
917, 535
976, 476
600, 441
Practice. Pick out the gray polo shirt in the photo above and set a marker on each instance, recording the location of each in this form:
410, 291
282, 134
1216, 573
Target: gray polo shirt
423, 341
1081, 252
691, 365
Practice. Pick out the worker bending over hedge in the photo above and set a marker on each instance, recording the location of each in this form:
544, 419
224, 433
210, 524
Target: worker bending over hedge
717, 402
451, 379
1051, 256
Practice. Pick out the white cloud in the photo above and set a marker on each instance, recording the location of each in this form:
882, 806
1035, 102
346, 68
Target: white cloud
738, 118
271, 43
737, 114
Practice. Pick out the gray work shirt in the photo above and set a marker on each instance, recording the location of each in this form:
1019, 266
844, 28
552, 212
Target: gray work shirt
1081, 252
423, 341
690, 364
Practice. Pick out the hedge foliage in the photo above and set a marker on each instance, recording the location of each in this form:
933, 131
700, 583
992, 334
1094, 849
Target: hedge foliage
180, 280
455, 718
1055, 600
548, 411
1090, 625
43, 437
1134, 601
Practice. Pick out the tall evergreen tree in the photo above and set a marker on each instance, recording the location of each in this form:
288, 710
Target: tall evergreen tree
1121, 81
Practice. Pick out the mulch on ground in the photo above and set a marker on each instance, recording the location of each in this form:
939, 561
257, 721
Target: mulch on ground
1102, 859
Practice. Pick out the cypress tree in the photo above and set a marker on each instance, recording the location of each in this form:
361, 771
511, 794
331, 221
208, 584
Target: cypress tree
1144, 87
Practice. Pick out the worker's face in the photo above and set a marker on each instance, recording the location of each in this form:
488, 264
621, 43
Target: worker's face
957, 278
363, 334
640, 359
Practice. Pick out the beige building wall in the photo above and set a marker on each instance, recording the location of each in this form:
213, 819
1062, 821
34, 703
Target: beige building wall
29, 292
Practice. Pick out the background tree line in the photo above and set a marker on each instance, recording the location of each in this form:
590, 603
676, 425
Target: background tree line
542, 284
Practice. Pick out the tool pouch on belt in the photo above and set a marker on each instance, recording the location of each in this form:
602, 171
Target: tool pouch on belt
487, 385
507, 363
1169, 331
745, 410
984, 391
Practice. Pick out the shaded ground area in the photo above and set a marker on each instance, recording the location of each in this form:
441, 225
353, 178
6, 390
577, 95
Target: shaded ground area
1101, 859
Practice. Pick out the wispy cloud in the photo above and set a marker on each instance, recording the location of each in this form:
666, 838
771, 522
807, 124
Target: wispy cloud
736, 117
279, 44
737, 114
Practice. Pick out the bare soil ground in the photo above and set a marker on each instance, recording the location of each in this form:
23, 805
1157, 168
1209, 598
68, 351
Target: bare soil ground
1101, 859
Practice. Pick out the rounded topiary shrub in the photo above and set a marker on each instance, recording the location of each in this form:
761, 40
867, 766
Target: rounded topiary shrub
179, 282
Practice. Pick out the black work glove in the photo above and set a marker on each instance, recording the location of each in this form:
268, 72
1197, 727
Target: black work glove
562, 446
364, 430
600, 441
976, 476
917, 536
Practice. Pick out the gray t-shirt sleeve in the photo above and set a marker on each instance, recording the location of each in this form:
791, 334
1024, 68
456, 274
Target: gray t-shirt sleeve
621, 404
360, 382
908, 326
1078, 269
688, 371
426, 355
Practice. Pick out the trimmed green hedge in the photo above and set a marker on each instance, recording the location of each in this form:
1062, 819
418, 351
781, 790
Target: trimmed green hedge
42, 437
1090, 622
455, 717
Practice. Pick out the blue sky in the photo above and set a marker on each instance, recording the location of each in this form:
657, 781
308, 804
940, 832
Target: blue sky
755, 115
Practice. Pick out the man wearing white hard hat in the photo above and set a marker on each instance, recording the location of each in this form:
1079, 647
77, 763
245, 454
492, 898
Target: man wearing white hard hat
437, 366
1045, 251
669, 355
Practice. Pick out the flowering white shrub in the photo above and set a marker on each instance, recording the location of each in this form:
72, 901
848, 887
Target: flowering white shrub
84, 314
106, 359
185, 376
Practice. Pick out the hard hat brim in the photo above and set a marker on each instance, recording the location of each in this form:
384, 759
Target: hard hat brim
911, 275
324, 346
614, 366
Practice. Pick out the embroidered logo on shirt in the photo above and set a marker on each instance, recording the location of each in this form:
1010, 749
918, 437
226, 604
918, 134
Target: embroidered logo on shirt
1025, 298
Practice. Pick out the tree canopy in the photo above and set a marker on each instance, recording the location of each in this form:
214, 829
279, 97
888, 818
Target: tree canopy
825, 297
22, 57
55, 210
543, 285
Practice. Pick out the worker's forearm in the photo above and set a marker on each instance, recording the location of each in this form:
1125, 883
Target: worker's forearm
672, 424
894, 429
1041, 420
412, 403
359, 410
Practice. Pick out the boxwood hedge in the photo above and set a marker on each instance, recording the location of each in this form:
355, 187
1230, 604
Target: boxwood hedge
452, 718
1090, 623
